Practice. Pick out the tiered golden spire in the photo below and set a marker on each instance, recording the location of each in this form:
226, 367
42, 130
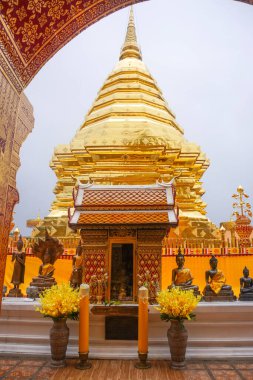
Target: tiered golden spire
130, 49
130, 136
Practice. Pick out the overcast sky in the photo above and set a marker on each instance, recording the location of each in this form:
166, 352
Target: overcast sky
201, 54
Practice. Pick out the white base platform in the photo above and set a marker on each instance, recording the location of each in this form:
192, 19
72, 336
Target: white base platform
221, 330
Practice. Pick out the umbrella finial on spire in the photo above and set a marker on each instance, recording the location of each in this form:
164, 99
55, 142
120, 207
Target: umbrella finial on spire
130, 49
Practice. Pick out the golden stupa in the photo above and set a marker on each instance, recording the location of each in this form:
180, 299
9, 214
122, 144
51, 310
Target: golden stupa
130, 136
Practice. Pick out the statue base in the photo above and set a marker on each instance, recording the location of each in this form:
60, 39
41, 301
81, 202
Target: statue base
15, 292
222, 296
245, 297
43, 283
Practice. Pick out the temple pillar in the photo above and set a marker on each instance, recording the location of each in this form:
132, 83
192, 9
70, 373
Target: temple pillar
149, 254
95, 255
16, 122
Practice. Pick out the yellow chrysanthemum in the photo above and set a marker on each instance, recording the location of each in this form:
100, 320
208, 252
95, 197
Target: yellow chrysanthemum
60, 301
177, 304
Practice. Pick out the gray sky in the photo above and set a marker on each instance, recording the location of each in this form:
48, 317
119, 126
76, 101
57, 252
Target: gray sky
201, 54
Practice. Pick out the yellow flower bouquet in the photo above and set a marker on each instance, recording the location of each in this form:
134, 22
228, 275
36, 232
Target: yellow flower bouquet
177, 304
60, 301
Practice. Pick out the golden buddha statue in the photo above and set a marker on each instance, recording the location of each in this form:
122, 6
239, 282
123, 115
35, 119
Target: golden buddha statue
46, 269
216, 288
182, 276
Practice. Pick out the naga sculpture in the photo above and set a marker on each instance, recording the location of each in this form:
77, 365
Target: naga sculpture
47, 251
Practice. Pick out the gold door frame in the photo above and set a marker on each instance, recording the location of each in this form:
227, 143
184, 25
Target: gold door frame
122, 240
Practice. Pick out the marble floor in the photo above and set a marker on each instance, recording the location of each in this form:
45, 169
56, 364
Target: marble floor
20, 368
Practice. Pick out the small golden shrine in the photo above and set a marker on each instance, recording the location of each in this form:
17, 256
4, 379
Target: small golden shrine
122, 228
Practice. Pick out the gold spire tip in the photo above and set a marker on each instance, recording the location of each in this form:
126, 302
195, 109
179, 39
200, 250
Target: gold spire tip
130, 48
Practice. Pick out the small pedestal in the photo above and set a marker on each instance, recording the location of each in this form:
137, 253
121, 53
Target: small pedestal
43, 283
143, 363
245, 297
83, 361
222, 296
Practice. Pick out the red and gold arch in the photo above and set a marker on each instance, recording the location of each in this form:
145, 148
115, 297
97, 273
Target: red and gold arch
32, 31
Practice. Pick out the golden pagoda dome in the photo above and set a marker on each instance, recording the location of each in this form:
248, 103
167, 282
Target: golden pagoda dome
130, 109
130, 136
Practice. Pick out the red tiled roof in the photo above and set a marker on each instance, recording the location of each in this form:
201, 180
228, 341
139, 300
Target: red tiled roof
124, 197
124, 218
119, 204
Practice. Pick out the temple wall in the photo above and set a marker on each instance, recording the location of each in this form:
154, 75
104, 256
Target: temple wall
16, 122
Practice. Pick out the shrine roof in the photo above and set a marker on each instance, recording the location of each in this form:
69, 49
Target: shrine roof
132, 218
124, 197
131, 205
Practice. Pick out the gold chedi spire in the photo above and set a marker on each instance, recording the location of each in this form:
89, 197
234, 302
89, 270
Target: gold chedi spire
129, 137
130, 49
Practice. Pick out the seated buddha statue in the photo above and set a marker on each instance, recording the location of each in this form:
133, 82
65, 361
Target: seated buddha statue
46, 269
216, 288
182, 276
246, 286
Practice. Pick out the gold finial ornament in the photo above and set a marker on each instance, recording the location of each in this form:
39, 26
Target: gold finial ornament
240, 204
243, 214
130, 49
